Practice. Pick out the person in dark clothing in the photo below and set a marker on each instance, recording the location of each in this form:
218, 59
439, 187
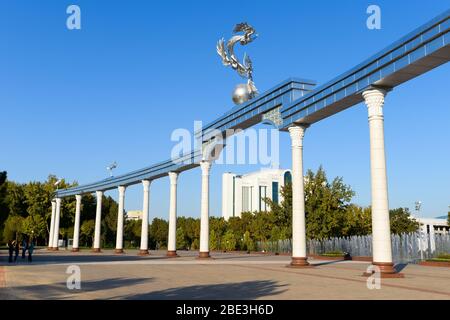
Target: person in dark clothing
10, 250
30, 251
24, 248
16, 250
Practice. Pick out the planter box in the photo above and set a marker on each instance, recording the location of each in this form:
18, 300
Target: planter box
435, 263
362, 258
335, 258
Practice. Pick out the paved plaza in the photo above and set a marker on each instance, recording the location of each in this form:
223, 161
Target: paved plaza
227, 276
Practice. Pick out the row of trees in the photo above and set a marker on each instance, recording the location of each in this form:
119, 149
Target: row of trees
25, 210
329, 213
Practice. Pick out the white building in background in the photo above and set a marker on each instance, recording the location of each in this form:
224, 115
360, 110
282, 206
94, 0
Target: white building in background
134, 215
246, 193
437, 225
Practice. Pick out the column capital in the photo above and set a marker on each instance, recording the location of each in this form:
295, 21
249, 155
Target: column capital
121, 190
374, 100
173, 176
58, 200
78, 197
146, 184
206, 166
99, 193
297, 133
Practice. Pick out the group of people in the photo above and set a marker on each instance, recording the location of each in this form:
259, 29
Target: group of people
14, 248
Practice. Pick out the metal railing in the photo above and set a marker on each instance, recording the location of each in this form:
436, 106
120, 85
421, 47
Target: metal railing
408, 247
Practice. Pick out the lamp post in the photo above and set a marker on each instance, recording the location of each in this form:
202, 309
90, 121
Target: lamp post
111, 167
58, 181
418, 205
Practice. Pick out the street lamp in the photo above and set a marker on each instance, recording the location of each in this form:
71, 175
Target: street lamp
57, 183
418, 205
111, 167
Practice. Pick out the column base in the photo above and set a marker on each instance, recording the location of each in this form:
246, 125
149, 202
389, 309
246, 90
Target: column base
118, 251
96, 250
55, 249
172, 254
387, 270
75, 249
143, 253
204, 255
300, 262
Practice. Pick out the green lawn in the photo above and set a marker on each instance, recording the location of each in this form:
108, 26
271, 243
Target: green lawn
443, 257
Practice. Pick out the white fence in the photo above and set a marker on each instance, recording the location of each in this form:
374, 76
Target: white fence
409, 247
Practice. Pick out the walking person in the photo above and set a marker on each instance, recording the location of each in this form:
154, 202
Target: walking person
30, 251
24, 248
10, 250
16, 250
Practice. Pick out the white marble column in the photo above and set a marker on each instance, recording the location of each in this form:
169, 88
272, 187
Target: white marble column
299, 258
172, 238
204, 210
145, 211
119, 233
76, 227
98, 221
52, 226
381, 231
56, 227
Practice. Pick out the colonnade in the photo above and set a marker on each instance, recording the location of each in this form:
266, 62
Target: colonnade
382, 252
171, 243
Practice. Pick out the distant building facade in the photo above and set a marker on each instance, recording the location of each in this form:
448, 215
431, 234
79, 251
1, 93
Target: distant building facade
134, 215
437, 225
246, 193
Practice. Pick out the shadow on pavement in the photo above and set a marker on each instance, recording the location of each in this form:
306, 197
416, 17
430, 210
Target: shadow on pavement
241, 290
400, 266
43, 258
60, 290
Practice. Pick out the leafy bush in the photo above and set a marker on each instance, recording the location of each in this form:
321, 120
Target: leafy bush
336, 253
444, 256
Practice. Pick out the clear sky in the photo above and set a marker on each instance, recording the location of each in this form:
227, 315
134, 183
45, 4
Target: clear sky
73, 101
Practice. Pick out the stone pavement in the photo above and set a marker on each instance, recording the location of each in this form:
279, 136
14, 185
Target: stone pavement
227, 276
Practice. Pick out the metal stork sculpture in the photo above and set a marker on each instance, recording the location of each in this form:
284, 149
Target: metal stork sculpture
242, 92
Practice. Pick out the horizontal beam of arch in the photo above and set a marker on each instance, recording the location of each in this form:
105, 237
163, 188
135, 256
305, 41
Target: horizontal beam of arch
416, 53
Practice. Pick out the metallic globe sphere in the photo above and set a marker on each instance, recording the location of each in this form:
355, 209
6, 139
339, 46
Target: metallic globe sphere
241, 94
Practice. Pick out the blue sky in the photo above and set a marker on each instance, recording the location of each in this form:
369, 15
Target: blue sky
74, 101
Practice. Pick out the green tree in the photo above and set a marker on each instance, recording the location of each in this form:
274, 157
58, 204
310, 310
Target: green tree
15, 199
325, 205
158, 231
229, 241
282, 212
87, 231
110, 208
358, 221
4, 210
248, 243
261, 227
132, 232
213, 241
401, 221
191, 228
235, 224
448, 218
217, 228
13, 227
34, 226
181, 239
